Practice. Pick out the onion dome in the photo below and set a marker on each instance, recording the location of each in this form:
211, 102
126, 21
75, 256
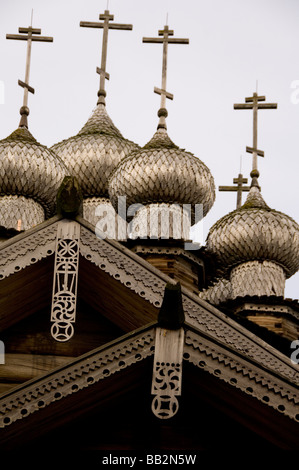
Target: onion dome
161, 172
94, 152
29, 169
255, 233
257, 247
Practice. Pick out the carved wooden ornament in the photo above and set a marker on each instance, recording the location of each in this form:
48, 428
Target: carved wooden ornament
167, 372
63, 313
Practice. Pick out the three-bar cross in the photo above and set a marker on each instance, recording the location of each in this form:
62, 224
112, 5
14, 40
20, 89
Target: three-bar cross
27, 34
254, 103
166, 32
239, 188
105, 26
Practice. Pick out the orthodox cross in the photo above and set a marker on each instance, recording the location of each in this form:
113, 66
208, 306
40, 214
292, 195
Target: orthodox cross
105, 26
162, 113
253, 103
27, 34
239, 188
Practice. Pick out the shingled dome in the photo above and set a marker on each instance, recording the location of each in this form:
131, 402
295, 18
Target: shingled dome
161, 172
255, 232
30, 171
94, 152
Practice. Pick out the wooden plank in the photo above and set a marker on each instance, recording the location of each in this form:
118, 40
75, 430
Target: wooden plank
122, 306
32, 30
251, 98
243, 106
26, 292
5, 387
176, 268
92, 24
259, 152
33, 334
19, 368
169, 40
33, 38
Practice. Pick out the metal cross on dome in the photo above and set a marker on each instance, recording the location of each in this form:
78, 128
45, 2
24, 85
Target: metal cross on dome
166, 32
29, 35
254, 103
106, 25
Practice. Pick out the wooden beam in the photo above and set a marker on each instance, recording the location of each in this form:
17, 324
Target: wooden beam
33, 38
30, 30
169, 40
233, 188
93, 24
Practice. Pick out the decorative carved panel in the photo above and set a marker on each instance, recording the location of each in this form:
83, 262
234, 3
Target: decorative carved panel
167, 372
63, 312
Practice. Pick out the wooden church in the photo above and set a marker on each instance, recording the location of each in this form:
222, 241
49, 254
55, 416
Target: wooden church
119, 333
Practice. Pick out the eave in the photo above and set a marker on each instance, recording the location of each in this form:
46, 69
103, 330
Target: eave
253, 395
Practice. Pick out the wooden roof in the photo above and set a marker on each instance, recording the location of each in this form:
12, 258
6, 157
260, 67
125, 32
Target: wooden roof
118, 287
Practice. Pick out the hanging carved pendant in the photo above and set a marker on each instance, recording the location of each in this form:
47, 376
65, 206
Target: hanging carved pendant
63, 312
167, 372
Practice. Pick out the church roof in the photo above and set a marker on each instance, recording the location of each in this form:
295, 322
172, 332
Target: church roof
128, 271
254, 370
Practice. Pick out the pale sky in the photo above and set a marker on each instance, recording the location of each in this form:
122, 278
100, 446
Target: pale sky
233, 44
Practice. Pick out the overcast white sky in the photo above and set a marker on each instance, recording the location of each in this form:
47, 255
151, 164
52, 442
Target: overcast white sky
233, 43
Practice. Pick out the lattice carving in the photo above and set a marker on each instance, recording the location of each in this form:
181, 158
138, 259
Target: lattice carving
167, 372
228, 332
243, 374
27, 251
63, 312
110, 258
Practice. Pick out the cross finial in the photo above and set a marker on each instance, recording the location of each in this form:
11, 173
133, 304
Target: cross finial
166, 32
29, 35
105, 25
239, 188
253, 102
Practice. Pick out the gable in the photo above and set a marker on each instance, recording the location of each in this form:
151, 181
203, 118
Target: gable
135, 290
119, 292
246, 396
126, 422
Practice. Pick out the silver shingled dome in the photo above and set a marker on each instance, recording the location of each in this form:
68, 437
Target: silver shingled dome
255, 232
94, 152
160, 172
30, 169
